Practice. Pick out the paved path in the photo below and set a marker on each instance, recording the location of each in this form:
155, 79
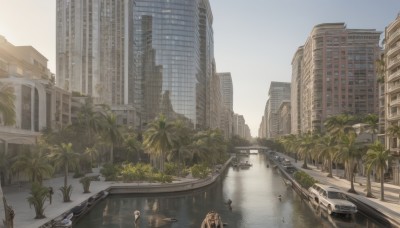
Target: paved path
24, 215
391, 205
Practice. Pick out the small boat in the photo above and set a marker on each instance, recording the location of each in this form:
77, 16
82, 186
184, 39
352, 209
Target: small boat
66, 222
78, 210
212, 220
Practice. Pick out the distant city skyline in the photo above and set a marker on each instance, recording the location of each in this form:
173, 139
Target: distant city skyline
255, 42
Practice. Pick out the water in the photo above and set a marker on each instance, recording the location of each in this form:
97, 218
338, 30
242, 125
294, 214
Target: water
254, 193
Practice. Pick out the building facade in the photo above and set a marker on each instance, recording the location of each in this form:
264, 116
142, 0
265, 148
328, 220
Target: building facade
278, 92
174, 58
284, 119
296, 95
338, 74
94, 49
227, 103
392, 88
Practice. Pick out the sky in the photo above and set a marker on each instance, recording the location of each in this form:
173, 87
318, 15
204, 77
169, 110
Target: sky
255, 40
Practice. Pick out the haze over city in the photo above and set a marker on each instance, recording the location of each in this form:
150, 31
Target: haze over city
254, 40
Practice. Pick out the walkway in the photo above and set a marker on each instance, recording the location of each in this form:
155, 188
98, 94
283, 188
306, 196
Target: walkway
17, 197
390, 207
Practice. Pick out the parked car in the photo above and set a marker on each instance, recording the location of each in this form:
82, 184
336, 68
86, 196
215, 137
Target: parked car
331, 198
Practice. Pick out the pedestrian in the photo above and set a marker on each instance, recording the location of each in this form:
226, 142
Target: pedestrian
51, 192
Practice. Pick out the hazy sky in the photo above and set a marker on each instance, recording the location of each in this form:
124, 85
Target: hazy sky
253, 39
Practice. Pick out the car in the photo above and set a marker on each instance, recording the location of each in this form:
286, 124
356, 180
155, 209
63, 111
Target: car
333, 199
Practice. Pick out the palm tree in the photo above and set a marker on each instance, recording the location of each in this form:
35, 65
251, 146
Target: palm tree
306, 147
326, 150
65, 157
372, 121
159, 139
111, 132
38, 197
7, 107
89, 118
348, 153
368, 167
34, 164
340, 124
92, 153
378, 156
132, 146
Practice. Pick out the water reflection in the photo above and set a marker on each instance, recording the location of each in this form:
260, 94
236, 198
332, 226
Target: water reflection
255, 203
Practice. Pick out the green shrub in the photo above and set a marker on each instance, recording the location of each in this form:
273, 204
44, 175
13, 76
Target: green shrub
66, 192
37, 199
200, 171
110, 172
304, 179
138, 172
85, 181
163, 178
171, 169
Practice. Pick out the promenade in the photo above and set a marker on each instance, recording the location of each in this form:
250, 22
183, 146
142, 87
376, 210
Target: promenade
17, 195
390, 207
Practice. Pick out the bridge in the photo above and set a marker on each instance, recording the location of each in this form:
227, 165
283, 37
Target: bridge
255, 147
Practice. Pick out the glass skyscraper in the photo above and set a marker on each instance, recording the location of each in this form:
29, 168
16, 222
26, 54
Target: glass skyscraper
174, 56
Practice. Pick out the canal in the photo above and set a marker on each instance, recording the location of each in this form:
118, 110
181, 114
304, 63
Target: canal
255, 204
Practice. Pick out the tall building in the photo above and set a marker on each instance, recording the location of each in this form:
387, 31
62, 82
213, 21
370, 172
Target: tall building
214, 106
94, 49
296, 95
338, 74
38, 103
227, 89
174, 58
227, 103
284, 118
278, 92
392, 88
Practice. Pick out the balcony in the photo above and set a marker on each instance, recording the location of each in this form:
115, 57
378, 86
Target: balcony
393, 50
393, 116
393, 62
394, 76
394, 87
393, 35
395, 102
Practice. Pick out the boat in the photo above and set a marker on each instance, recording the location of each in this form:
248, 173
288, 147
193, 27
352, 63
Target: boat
78, 210
212, 220
66, 222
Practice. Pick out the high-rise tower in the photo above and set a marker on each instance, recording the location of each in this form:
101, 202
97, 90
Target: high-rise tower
95, 49
174, 53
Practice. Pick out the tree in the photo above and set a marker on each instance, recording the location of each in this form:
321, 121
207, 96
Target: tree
340, 124
159, 139
348, 153
92, 153
7, 107
38, 197
306, 147
33, 163
372, 121
326, 150
64, 157
378, 156
111, 132
90, 119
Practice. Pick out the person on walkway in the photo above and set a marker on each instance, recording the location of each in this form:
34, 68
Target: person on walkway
51, 192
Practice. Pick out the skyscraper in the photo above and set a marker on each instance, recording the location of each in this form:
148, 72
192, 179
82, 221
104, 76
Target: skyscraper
94, 49
278, 92
392, 88
174, 53
338, 73
227, 103
295, 100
